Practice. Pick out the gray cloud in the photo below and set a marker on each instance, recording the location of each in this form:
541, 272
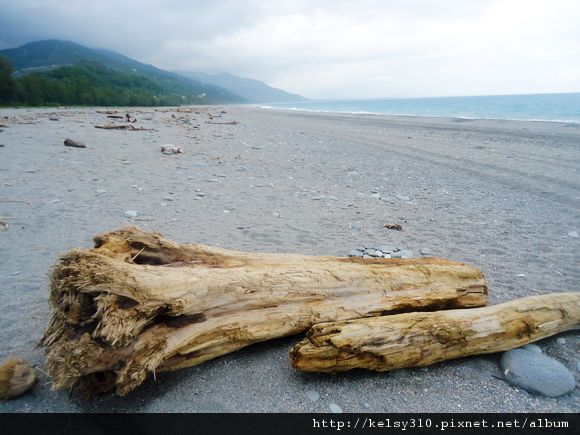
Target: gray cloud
330, 49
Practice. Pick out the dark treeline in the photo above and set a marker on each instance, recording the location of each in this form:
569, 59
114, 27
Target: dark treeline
86, 84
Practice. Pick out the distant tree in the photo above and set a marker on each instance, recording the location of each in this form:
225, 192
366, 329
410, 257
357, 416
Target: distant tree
7, 83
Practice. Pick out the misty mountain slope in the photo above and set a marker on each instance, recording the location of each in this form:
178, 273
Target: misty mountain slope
44, 55
254, 91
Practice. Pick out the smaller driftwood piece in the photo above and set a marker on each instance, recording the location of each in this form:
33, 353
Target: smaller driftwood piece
420, 339
139, 303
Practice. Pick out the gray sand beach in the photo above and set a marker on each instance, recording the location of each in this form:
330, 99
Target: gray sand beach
501, 195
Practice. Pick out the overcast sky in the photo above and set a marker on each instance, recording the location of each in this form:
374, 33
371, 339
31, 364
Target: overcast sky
329, 48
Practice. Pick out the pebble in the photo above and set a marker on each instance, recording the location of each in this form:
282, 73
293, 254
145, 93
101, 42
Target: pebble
74, 143
361, 248
367, 405
100, 191
313, 395
355, 253
335, 409
403, 198
561, 340
573, 234
200, 194
536, 373
356, 225
427, 252
385, 249
375, 196
373, 253
403, 253
131, 214
532, 348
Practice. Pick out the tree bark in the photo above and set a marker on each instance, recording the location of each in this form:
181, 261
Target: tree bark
419, 339
139, 303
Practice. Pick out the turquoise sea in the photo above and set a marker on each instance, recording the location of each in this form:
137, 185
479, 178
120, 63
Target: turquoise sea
544, 107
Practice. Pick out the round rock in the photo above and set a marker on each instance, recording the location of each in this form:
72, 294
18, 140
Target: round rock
373, 253
405, 253
355, 253
536, 373
335, 409
532, 348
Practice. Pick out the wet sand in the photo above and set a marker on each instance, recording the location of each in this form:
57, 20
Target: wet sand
502, 195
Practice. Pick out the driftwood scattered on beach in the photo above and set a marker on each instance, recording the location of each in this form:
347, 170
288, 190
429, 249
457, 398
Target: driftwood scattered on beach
122, 127
419, 339
137, 303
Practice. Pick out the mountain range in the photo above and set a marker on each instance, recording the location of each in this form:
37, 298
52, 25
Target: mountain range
43, 58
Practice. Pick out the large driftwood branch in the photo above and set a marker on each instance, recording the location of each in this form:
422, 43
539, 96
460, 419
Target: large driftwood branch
139, 303
419, 339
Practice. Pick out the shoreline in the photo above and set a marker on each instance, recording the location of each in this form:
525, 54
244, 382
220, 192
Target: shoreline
406, 115
501, 195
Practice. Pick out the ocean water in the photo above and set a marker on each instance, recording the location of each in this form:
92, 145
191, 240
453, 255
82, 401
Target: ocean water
538, 107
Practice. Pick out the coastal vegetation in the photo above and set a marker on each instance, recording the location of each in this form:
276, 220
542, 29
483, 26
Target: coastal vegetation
87, 83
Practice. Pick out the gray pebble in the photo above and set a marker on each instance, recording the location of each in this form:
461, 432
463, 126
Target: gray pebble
532, 348
427, 252
200, 194
313, 395
375, 196
404, 253
335, 409
366, 405
375, 190
361, 248
355, 253
561, 340
100, 191
573, 234
536, 373
356, 225
387, 256
403, 198
385, 249
366, 256
131, 214
373, 253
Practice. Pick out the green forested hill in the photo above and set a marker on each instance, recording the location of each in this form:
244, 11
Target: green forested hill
93, 84
47, 71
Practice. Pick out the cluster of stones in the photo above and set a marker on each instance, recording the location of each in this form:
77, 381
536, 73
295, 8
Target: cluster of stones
387, 251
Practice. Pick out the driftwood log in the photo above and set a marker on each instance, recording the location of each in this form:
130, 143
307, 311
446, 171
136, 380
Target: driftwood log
419, 339
138, 303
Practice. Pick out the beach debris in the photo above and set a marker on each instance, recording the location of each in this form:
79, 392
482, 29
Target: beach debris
122, 127
171, 149
73, 143
116, 116
141, 320
4, 225
107, 112
397, 227
130, 118
222, 123
426, 252
419, 339
131, 214
16, 378
536, 373
52, 118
